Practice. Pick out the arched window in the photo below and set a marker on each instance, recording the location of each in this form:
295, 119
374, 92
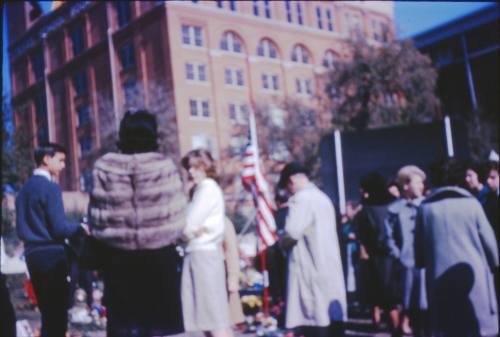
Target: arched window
231, 42
329, 59
267, 48
300, 55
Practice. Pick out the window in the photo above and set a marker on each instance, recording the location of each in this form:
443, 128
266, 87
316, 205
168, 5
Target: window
189, 71
288, 11
192, 35
276, 85
77, 39
234, 77
385, 32
38, 65
329, 20
231, 42
202, 76
85, 145
303, 86
41, 118
267, 9
86, 181
267, 48
265, 81
127, 56
300, 19
256, 7
232, 5
220, 4
329, 59
270, 82
124, 12
80, 83
319, 19
238, 113
83, 113
300, 54
199, 108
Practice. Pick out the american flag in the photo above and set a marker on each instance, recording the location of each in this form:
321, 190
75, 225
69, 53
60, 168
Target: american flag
254, 182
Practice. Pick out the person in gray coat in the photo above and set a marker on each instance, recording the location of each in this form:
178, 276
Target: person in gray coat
400, 227
457, 246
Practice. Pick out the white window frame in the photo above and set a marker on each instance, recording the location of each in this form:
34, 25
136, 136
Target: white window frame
196, 72
199, 108
192, 37
235, 74
230, 39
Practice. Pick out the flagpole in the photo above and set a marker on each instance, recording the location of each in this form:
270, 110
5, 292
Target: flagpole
262, 253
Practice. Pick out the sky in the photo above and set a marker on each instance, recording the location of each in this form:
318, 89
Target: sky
411, 17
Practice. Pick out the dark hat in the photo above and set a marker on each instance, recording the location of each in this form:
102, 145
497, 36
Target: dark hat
289, 170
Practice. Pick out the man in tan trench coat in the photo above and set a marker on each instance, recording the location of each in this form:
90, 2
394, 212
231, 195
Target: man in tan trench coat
315, 298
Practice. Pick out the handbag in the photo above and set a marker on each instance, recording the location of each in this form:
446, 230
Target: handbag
86, 249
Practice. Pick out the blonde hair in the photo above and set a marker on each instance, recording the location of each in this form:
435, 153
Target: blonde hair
406, 172
200, 159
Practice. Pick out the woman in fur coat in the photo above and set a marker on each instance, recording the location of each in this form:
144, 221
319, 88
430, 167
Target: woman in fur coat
137, 212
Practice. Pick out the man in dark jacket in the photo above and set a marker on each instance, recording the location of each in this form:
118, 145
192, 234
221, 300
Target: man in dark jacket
41, 224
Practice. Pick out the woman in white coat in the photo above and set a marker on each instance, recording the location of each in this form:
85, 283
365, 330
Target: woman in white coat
203, 287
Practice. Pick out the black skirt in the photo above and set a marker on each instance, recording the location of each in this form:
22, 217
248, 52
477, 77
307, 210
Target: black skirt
142, 291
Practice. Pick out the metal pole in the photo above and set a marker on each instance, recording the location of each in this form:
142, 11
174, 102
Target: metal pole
48, 91
114, 87
449, 138
468, 70
340, 170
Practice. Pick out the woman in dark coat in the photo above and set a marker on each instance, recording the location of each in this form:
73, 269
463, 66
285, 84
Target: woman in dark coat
137, 211
377, 276
457, 246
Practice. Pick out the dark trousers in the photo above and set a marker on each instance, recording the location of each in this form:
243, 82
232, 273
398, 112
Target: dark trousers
8, 325
48, 268
82, 277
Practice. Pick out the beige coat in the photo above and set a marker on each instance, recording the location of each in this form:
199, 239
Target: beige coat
137, 201
231, 255
315, 286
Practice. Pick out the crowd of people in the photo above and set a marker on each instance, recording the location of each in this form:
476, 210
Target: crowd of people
168, 258
426, 258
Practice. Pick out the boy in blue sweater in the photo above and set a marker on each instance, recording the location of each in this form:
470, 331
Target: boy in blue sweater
42, 225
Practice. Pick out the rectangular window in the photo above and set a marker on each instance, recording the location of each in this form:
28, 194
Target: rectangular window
329, 19
265, 83
205, 109
186, 38
198, 40
267, 9
300, 19
298, 86
288, 11
38, 65
228, 75
276, 84
189, 71
239, 78
232, 111
124, 13
308, 87
244, 113
193, 107
83, 113
220, 4
77, 39
80, 83
232, 5
202, 76
41, 118
256, 7
319, 18
127, 56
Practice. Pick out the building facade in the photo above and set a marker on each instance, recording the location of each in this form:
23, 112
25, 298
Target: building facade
77, 69
465, 52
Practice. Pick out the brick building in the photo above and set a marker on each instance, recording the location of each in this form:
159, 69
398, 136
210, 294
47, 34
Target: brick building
215, 60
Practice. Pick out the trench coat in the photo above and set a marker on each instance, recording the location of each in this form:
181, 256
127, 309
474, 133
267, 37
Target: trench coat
315, 282
457, 246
